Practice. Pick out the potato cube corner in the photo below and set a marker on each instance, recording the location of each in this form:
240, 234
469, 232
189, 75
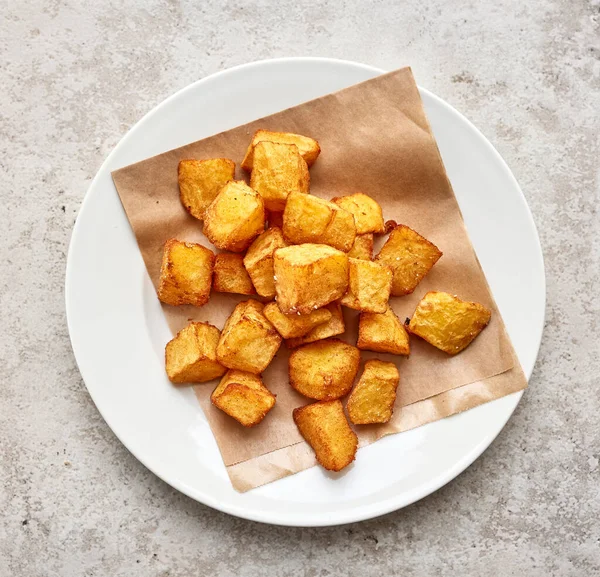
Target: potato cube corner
324, 370
372, 399
325, 428
293, 325
309, 219
244, 397
309, 276
191, 357
235, 217
259, 261
362, 247
185, 274
382, 333
201, 180
369, 286
447, 322
308, 147
333, 327
410, 256
248, 341
230, 275
367, 213
278, 170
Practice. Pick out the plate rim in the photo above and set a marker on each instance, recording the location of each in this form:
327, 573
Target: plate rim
389, 505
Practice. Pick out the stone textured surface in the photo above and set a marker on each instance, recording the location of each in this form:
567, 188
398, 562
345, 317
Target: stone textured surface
75, 77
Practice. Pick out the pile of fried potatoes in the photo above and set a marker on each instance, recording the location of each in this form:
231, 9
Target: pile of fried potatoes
303, 258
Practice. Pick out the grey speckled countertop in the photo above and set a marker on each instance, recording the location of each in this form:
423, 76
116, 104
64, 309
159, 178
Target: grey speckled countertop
74, 78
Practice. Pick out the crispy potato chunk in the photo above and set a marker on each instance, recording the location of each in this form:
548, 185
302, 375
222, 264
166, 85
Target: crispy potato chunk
382, 333
334, 326
362, 247
278, 170
308, 148
447, 322
248, 341
309, 276
326, 430
410, 257
191, 357
259, 261
201, 180
367, 213
307, 218
230, 275
235, 217
294, 325
369, 286
275, 219
185, 274
324, 370
244, 397
372, 399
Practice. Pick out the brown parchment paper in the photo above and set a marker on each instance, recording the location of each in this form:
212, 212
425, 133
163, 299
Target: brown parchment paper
375, 138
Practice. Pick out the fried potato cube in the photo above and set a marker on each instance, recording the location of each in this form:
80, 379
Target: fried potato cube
244, 397
324, 370
235, 217
186, 273
308, 147
201, 180
308, 218
275, 219
382, 333
294, 325
230, 275
369, 286
248, 341
325, 428
309, 276
447, 322
191, 357
278, 170
259, 261
410, 257
372, 399
362, 247
334, 326
367, 213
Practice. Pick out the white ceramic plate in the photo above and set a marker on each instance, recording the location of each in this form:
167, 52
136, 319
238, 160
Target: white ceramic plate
118, 331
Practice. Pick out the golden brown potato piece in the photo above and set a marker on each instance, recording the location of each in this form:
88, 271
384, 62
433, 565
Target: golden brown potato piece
275, 219
244, 397
362, 247
235, 217
369, 286
326, 430
410, 257
201, 180
191, 357
294, 325
278, 170
333, 327
230, 275
185, 274
367, 213
259, 260
307, 218
447, 322
324, 370
372, 399
382, 333
308, 148
309, 276
248, 341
